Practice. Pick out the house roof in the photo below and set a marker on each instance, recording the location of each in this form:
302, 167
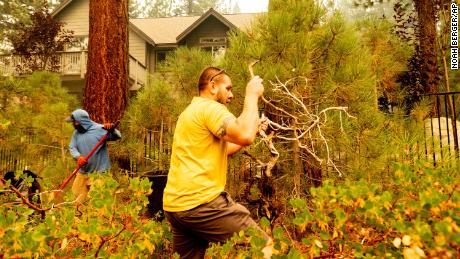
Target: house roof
195, 24
61, 7
170, 30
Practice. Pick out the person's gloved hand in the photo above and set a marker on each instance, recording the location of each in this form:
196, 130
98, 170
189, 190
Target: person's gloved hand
81, 161
108, 125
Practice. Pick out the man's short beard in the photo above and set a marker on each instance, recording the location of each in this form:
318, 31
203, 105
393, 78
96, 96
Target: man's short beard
222, 100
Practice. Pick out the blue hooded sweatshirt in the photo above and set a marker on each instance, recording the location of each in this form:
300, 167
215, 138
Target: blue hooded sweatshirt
82, 143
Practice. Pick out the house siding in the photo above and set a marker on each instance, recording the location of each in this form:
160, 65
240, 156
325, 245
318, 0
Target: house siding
76, 17
137, 47
211, 27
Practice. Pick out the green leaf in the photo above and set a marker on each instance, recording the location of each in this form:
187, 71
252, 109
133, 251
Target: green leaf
264, 222
298, 203
294, 254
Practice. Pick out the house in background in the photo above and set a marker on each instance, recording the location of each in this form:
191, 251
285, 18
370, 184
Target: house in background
150, 39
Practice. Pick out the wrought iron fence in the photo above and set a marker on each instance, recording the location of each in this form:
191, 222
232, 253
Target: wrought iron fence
11, 161
442, 128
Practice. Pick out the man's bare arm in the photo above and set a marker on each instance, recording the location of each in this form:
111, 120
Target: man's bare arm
242, 130
233, 148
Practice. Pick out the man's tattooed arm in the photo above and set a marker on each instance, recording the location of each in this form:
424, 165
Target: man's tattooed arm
222, 131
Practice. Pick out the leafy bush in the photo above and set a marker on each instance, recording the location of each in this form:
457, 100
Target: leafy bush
32, 126
414, 214
111, 224
151, 108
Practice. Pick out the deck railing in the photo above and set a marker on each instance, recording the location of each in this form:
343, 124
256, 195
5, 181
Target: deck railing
71, 63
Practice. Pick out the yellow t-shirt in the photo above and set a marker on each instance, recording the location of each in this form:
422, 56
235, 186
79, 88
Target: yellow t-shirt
198, 168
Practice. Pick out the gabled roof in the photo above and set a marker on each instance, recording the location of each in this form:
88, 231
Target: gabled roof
210, 12
61, 7
164, 30
141, 33
170, 30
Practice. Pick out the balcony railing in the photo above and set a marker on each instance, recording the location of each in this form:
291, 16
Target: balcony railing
137, 72
71, 63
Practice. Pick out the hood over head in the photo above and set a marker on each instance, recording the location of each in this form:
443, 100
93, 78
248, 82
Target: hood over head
82, 117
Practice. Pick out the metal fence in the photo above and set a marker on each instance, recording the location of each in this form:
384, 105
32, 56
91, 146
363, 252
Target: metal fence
11, 161
156, 152
442, 128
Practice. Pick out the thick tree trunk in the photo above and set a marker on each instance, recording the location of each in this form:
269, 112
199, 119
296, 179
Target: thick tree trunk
105, 96
426, 12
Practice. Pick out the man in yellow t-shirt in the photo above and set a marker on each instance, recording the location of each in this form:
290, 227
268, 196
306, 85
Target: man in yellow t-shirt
194, 200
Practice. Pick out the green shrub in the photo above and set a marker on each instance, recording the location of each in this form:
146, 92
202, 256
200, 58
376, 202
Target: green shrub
415, 214
110, 225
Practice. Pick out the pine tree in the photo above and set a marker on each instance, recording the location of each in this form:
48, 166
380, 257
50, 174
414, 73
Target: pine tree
426, 15
297, 39
15, 13
32, 112
134, 9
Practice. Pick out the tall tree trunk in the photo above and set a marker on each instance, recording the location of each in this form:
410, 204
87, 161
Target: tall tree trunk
426, 12
105, 96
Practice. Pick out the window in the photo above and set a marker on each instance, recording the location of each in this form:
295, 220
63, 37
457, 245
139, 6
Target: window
213, 40
215, 45
215, 50
161, 56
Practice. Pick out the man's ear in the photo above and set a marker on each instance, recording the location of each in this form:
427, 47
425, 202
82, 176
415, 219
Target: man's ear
213, 88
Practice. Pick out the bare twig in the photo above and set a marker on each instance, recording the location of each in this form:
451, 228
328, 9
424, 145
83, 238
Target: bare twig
246, 153
33, 206
53, 206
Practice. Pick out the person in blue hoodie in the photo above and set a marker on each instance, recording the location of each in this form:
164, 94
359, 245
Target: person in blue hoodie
86, 135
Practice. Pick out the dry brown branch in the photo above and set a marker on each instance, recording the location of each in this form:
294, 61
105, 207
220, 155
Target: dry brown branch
24, 199
274, 153
33, 206
277, 108
268, 140
246, 153
301, 122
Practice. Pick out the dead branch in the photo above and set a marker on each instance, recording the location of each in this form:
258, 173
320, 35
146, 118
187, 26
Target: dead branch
274, 153
24, 199
268, 140
302, 124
